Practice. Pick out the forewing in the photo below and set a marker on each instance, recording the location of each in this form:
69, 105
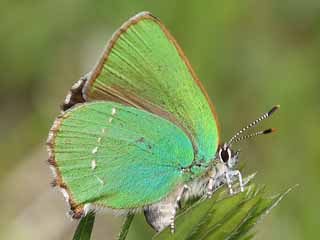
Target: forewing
117, 156
144, 67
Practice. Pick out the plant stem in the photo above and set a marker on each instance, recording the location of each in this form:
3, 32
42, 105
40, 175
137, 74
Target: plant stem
125, 226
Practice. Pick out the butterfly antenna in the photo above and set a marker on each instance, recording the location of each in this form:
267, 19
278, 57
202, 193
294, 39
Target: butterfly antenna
252, 124
267, 131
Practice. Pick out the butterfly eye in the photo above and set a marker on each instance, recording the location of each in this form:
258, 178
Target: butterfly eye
225, 154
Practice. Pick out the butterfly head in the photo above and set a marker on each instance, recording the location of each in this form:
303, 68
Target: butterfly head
230, 157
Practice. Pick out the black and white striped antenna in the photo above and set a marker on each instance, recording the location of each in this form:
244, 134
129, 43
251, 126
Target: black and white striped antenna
236, 138
267, 131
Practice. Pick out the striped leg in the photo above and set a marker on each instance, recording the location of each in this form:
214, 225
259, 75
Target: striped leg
230, 175
210, 187
172, 226
229, 182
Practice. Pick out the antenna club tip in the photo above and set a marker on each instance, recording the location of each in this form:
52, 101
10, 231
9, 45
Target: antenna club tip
270, 130
275, 108
273, 130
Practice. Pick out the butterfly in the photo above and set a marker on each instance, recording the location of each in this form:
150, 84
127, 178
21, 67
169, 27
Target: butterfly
140, 132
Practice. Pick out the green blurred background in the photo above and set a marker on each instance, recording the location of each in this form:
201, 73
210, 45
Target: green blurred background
248, 54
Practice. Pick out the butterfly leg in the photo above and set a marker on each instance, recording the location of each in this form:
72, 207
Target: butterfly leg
229, 182
216, 178
231, 174
178, 205
238, 174
210, 187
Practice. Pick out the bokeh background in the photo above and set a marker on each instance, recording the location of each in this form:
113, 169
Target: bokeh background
249, 55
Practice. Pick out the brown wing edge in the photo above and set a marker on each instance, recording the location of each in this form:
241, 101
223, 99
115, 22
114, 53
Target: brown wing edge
134, 20
76, 210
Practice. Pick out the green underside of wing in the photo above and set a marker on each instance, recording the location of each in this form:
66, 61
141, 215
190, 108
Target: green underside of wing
145, 64
119, 156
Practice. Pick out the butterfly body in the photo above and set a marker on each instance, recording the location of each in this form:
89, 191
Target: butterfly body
138, 131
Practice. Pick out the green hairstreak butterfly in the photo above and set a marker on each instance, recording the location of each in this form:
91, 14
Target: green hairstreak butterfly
139, 131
